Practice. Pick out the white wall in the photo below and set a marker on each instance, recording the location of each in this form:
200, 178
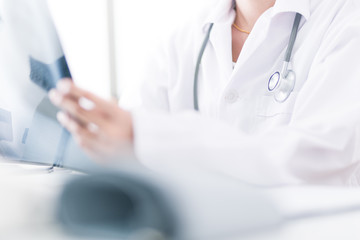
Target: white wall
140, 24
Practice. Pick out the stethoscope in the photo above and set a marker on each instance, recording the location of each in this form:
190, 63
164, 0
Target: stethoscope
281, 83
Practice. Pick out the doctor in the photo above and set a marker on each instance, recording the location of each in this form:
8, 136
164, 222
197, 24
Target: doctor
275, 98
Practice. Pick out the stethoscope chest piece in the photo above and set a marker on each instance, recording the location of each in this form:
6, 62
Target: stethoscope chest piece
274, 81
282, 86
282, 83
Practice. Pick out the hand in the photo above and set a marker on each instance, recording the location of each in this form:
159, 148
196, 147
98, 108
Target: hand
100, 127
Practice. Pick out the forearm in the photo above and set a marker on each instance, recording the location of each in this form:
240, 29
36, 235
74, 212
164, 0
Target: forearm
285, 155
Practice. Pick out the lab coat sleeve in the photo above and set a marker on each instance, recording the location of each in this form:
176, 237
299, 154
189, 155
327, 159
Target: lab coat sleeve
320, 145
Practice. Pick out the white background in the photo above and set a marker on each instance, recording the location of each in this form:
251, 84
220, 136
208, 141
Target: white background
139, 27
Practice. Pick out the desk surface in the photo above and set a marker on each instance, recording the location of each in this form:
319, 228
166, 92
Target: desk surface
29, 196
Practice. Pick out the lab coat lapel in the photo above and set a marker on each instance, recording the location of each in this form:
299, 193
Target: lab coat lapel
256, 37
262, 26
220, 39
302, 7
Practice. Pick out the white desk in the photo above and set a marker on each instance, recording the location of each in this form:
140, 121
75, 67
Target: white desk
27, 201
29, 195
343, 226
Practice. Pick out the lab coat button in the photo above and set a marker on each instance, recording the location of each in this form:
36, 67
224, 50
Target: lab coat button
231, 96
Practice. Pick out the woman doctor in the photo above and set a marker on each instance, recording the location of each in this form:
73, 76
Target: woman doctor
275, 98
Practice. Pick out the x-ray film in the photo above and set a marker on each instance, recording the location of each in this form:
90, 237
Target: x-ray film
32, 29
32, 61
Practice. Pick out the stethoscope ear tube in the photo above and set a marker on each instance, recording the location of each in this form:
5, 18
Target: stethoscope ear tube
286, 86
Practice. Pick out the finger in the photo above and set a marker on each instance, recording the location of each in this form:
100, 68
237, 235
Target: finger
91, 146
67, 87
76, 110
79, 131
86, 145
70, 106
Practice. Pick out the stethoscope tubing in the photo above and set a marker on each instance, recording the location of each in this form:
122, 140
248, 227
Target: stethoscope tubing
284, 70
293, 36
198, 63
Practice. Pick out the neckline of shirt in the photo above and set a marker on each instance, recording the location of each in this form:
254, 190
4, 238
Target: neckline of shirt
225, 9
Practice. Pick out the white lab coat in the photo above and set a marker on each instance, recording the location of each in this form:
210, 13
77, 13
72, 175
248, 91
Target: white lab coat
241, 131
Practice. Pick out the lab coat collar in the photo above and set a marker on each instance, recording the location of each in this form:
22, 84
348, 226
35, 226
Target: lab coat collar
225, 8
297, 6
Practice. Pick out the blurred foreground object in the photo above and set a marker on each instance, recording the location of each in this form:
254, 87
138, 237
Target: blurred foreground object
199, 205
137, 205
29, 197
